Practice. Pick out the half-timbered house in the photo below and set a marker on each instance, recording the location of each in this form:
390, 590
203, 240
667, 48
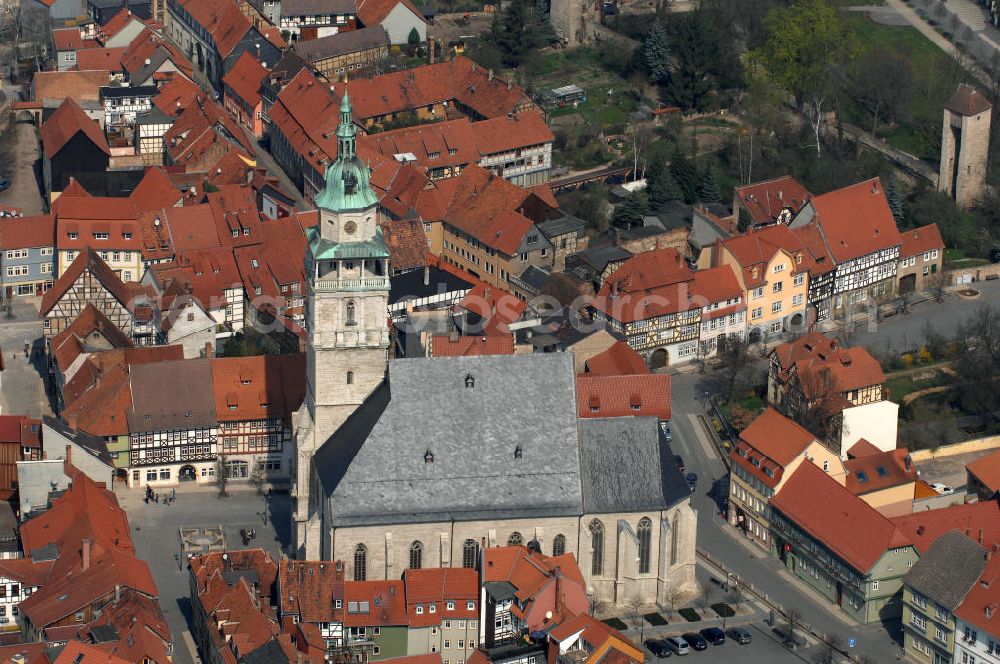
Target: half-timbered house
860, 233
89, 280
254, 401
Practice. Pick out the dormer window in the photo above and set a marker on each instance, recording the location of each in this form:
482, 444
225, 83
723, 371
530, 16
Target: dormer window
428, 457
470, 381
73, 236
518, 453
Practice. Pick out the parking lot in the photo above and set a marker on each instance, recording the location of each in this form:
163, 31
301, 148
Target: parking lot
156, 534
765, 648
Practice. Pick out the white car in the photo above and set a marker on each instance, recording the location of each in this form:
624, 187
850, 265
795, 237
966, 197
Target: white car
943, 489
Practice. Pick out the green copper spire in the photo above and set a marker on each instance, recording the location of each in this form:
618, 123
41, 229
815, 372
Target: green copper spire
347, 178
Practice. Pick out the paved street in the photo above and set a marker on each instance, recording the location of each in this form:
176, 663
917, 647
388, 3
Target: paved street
904, 332
156, 527
949, 470
722, 542
23, 389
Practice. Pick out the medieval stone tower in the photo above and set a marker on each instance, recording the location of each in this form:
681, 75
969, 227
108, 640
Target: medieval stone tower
965, 141
347, 268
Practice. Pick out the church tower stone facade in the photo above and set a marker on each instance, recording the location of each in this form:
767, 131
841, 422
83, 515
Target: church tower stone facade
347, 268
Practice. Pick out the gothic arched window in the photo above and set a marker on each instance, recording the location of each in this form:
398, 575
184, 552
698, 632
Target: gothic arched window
469, 551
515, 539
350, 378
645, 534
416, 555
360, 562
597, 546
352, 313
559, 545
674, 528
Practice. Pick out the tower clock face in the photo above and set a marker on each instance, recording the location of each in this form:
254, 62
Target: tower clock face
350, 228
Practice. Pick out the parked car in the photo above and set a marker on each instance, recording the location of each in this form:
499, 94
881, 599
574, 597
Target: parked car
678, 645
4, 183
680, 462
714, 635
740, 635
692, 480
943, 489
657, 647
696, 641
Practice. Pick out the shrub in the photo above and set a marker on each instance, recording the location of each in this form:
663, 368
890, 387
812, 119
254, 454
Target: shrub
689, 614
907, 360
924, 355
723, 610
616, 623
655, 619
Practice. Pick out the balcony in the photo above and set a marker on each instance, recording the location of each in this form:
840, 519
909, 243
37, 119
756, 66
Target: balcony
355, 284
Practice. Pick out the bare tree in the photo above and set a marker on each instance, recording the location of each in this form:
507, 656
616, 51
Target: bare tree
635, 604
734, 594
596, 606
816, 402
793, 619
640, 136
671, 598
734, 359
221, 476
831, 645
706, 595
937, 284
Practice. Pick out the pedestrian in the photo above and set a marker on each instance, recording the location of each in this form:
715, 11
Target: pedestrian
173, 495
156, 497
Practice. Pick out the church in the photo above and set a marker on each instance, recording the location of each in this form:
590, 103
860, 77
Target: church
423, 462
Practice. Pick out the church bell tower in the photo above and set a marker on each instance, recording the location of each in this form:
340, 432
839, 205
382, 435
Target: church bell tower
347, 272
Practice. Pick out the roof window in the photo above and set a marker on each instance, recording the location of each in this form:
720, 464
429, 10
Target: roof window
470, 381
862, 476
518, 453
428, 457
882, 472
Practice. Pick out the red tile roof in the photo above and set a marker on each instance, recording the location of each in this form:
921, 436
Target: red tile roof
87, 260
917, 241
101, 58
21, 232
244, 79
176, 95
439, 586
769, 444
618, 360
832, 515
495, 307
258, 387
819, 362
307, 113
379, 603
154, 191
70, 39
373, 12
443, 345
755, 249
764, 201
623, 396
862, 448
117, 23
874, 472
76, 652
66, 122
533, 574
596, 634
407, 242
76, 337
982, 597
856, 220
143, 633
222, 20
979, 521
60, 85
987, 470
460, 79
311, 589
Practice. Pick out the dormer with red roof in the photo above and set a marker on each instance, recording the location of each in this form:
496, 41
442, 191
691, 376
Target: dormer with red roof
769, 202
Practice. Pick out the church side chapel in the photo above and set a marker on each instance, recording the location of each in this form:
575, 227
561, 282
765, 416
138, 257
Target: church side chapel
422, 462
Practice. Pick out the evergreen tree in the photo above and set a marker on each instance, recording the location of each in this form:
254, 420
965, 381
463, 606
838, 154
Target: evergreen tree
745, 221
895, 198
655, 54
661, 187
686, 176
709, 190
630, 212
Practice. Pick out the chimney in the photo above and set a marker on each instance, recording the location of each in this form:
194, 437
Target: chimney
430, 50
69, 454
209, 351
85, 554
427, 275
491, 75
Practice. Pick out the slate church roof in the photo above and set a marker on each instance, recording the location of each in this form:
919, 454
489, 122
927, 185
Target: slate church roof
487, 437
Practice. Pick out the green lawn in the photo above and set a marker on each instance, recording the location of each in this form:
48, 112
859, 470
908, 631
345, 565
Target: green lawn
900, 386
934, 77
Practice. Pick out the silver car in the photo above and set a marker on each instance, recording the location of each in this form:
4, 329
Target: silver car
678, 645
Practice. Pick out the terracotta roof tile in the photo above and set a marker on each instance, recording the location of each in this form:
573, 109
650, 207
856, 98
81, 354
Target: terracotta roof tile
777, 437
813, 357
311, 589
371, 603
244, 78
264, 386
60, 85
623, 396
67, 121
917, 241
100, 58
618, 360
439, 586
87, 260
987, 470
979, 521
70, 39
980, 606
845, 524
874, 472
223, 21
176, 95
856, 220
407, 243
443, 346
21, 232
373, 12
764, 201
